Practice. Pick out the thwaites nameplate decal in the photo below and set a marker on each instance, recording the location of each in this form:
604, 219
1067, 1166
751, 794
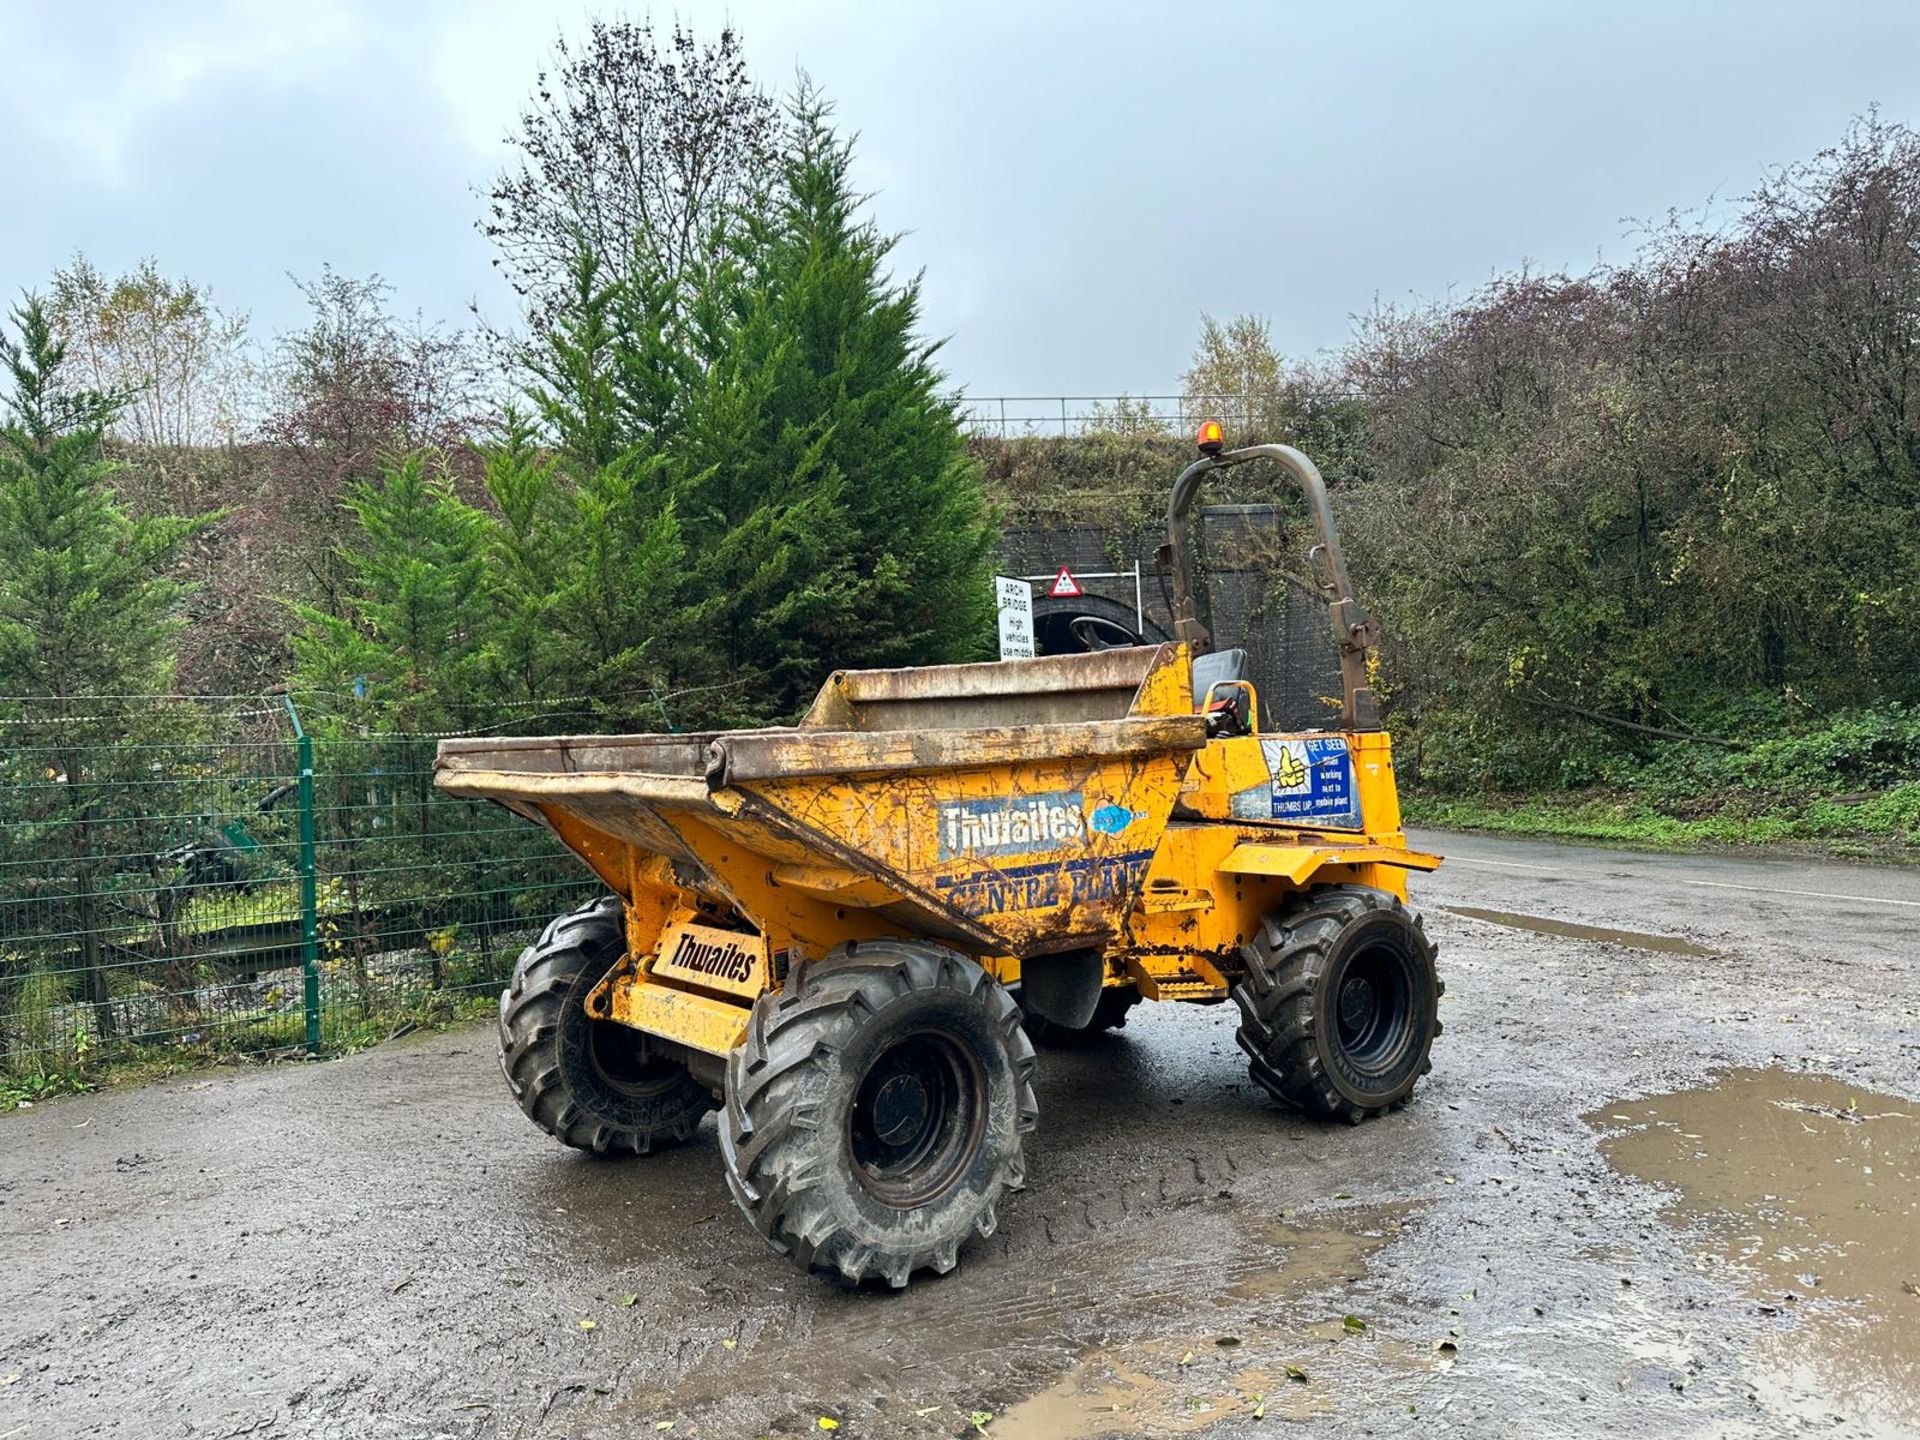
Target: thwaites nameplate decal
712, 958
1012, 825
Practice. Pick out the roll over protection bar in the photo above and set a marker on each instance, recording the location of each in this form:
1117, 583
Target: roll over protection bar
1354, 631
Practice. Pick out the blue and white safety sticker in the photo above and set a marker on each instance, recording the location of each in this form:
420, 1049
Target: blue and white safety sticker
1310, 783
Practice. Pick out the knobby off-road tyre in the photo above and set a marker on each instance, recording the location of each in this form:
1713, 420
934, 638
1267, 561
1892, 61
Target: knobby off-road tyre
875, 1111
1109, 1014
1340, 1003
593, 1084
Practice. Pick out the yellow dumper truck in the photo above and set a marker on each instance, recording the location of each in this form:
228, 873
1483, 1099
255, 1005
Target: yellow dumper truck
839, 933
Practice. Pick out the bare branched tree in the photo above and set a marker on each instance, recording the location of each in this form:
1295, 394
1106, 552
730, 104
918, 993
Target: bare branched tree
1236, 375
357, 379
352, 387
628, 148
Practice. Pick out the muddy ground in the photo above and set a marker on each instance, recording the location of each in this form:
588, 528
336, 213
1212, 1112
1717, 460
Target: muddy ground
1650, 1189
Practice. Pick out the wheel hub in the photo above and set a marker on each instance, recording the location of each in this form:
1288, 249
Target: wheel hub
626, 1061
918, 1119
901, 1109
1373, 1008
1358, 1002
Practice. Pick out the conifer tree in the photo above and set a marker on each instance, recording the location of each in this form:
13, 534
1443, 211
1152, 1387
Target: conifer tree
604, 377
412, 639
88, 617
922, 533
87, 603
831, 509
802, 488
622, 600
526, 561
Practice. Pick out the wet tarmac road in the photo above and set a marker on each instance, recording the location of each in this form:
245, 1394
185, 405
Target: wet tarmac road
1576, 1228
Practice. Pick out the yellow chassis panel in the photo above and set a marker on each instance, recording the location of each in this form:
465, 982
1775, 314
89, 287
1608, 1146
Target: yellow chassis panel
700, 1022
1297, 864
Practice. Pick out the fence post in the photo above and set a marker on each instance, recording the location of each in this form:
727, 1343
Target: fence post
309, 887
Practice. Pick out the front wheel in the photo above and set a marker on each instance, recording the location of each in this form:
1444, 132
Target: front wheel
1340, 1003
875, 1110
593, 1084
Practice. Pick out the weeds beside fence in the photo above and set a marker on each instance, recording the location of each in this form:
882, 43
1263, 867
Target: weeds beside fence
227, 884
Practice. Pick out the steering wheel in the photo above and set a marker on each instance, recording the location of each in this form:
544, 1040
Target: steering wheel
1096, 632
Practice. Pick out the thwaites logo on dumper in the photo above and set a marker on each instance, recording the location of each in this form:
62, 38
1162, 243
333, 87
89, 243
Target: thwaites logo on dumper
1012, 824
1311, 783
724, 960
1029, 825
705, 955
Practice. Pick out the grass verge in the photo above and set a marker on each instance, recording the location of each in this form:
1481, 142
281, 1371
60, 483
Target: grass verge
1884, 826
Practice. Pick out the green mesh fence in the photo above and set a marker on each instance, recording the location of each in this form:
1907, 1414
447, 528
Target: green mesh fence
228, 884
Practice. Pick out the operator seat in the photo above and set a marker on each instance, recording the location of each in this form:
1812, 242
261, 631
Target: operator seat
1227, 713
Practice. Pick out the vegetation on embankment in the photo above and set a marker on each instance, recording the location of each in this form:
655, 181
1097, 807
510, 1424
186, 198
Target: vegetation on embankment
1849, 786
1644, 542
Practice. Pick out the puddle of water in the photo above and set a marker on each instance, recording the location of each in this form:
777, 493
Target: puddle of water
1318, 1256
1181, 1385
1145, 1389
1812, 1187
1542, 925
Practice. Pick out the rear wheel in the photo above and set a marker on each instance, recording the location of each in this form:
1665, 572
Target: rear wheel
1109, 1014
1340, 1002
875, 1111
594, 1084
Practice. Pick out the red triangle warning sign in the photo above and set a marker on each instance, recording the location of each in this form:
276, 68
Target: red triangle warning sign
1064, 586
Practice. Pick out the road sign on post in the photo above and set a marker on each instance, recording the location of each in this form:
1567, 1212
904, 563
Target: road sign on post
1015, 601
1064, 586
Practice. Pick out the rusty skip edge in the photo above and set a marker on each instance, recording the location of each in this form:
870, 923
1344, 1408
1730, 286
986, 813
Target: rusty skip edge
668, 754
800, 754
683, 769
511, 785
1119, 669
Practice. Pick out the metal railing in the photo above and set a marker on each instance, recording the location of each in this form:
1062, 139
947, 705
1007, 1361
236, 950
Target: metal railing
204, 893
1011, 416
1136, 416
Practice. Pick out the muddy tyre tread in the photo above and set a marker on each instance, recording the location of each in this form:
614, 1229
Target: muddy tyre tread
572, 954
1286, 962
770, 1130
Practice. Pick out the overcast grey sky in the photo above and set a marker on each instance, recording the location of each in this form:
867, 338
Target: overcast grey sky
1078, 181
